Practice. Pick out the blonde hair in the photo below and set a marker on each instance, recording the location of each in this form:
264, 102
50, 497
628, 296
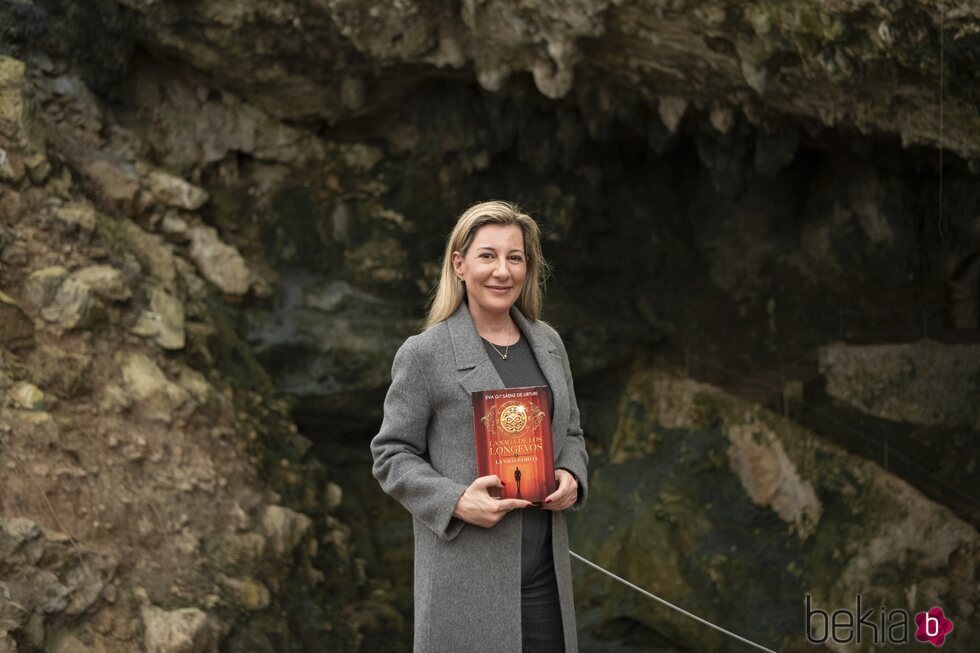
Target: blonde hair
450, 291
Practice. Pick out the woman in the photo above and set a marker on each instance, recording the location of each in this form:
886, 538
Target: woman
490, 574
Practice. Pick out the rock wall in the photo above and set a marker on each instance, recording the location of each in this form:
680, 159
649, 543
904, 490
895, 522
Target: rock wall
921, 383
736, 513
156, 495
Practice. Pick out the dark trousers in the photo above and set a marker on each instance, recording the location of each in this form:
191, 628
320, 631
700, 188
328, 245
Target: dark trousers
541, 623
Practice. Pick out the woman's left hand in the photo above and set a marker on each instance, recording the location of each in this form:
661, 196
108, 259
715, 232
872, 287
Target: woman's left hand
566, 494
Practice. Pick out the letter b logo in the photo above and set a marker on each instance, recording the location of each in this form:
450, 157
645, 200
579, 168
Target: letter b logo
932, 626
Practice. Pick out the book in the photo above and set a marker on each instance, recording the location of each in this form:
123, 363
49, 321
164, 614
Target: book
513, 441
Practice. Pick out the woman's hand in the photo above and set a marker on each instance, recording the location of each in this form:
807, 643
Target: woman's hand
567, 493
477, 507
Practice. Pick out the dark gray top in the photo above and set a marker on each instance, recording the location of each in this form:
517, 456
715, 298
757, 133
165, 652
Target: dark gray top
519, 370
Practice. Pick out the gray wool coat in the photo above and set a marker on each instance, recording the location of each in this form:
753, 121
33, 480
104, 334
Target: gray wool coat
468, 578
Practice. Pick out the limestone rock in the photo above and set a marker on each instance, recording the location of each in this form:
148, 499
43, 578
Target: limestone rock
196, 287
27, 396
333, 497
247, 592
164, 321
74, 305
41, 286
359, 157
113, 399
186, 630
671, 110
381, 261
114, 181
154, 255
59, 372
16, 253
247, 548
218, 262
38, 420
12, 109
334, 296
16, 328
11, 206
47, 577
198, 129
17, 531
276, 141
75, 216
923, 383
284, 529
11, 166
17, 130
38, 167
173, 225
174, 191
152, 394
106, 281
770, 478
195, 383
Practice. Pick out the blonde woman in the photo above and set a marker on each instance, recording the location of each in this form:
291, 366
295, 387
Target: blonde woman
490, 574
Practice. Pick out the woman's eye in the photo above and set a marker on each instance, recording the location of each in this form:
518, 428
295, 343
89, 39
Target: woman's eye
486, 255
516, 258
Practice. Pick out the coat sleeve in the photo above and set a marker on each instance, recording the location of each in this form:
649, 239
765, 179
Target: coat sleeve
573, 456
399, 450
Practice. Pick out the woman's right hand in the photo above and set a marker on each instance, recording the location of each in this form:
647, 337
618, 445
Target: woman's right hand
477, 507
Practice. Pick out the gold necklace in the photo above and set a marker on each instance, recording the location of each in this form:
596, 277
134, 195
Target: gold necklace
503, 354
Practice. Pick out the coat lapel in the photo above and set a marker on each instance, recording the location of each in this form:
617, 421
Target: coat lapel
476, 369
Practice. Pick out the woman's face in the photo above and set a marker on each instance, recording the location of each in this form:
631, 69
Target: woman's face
493, 268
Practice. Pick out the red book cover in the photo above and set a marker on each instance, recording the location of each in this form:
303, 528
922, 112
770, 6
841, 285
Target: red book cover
513, 441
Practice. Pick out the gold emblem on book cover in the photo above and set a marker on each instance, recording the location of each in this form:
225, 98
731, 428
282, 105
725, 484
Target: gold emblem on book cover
513, 417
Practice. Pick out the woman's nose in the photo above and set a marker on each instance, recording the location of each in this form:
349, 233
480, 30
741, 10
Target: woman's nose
501, 269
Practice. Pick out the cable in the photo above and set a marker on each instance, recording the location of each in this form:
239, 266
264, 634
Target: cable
669, 604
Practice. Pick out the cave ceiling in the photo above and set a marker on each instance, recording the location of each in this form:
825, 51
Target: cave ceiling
873, 67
